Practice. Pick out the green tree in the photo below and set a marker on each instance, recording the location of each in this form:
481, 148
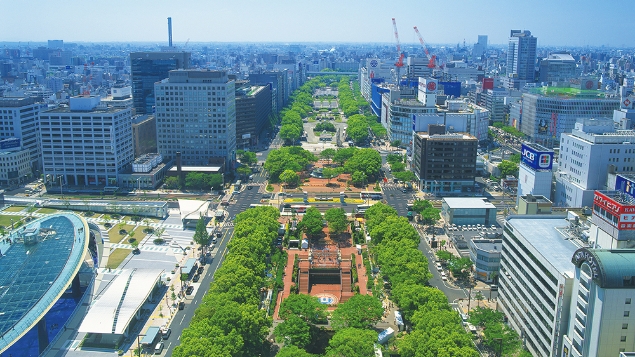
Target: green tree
312, 222
343, 154
431, 215
290, 133
304, 306
290, 177
367, 161
244, 171
215, 181
515, 158
328, 154
359, 178
293, 351
398, 167
377, 213
444, 255
352, 342
293, 331
360, 311
460, 267
508, 168
196, 181
404, 176
172, 182
247, 157
337, 220
421, 205
200, 234
329, 173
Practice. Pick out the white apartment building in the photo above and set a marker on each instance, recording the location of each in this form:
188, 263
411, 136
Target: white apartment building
585, 155
536, 279
602, 317
374, 68
19, 119
196, 115
87, 143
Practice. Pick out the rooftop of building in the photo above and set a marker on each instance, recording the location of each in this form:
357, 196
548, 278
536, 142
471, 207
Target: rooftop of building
611, 268
537, 147
445, 137
544, 234
569, 93
141, 118
489, 245
36, 269
535, 198
560, 56
97, 110
468, 202
13, 102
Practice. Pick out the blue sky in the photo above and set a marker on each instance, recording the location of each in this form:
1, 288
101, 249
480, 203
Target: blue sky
554, 22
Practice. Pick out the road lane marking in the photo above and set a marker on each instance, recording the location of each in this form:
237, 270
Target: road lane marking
183, 318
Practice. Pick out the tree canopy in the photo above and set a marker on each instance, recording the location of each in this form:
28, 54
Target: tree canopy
360, 311
352, 342
508, 168
312, 222
336, 219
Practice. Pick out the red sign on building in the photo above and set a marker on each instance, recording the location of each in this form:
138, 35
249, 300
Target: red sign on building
623, 214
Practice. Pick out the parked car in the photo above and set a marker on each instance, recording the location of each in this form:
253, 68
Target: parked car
189, 290
196, 278
166, 334
200, 270
181, 305
158, 348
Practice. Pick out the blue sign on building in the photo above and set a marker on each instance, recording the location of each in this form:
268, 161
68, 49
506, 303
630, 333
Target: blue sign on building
625, 185
9, 143
535, 158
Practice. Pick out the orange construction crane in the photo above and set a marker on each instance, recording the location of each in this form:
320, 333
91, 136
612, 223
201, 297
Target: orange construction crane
432, 59
399, 63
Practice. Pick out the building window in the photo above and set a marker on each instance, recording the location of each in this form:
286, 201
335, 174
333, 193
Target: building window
628, 301
624, 326
623, 339
627, 313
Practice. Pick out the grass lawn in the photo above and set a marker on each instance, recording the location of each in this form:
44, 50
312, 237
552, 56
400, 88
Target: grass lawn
115, 237
15, 208
116, 257
47, 210
6, 220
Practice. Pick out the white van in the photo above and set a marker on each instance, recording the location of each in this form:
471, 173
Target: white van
158, 348
439, 267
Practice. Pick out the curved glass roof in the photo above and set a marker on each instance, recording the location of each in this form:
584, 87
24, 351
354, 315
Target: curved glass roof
36, 269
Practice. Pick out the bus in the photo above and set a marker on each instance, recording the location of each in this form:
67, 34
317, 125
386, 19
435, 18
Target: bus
237, 185
299, 208
361, 209
372, 195
254, 205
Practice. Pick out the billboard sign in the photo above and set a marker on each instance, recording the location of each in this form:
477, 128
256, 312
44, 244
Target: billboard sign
9, 143
538, 160
625, 185
623, 214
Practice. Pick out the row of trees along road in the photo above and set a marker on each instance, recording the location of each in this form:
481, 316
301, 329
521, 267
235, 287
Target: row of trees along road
363, 164
300, 107
352, 103
436, 327
229, 321
397, 164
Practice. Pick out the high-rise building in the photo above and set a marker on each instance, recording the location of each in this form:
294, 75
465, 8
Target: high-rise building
196, 116
534, 172
445, 163
521, 58
279, 86
150, 67
144, 134
19, 119
548, 112
87, 143
585, 155
253, 108
480, 48
557, 67
535, 280
601, 319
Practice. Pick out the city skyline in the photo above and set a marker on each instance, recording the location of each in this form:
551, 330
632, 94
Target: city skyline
330, 21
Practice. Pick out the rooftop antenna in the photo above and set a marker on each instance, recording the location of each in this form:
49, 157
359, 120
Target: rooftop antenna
169, 32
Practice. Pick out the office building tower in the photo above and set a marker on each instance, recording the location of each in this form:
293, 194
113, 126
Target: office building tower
19, 119
548, 112
480, 49
536, 278
196, 116
87, 143
584, 159
15, 163
279, 86
398, 105
148, 68
144, 134
521, 58
557, 67
534, 172
601, 318
253, 110
445, 164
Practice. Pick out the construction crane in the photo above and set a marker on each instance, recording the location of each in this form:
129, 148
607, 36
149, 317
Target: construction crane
432, 59
399, 63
